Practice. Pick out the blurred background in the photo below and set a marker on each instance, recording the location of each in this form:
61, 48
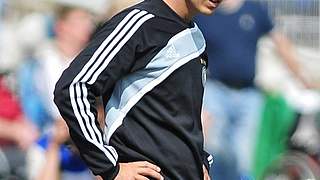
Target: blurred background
39, 38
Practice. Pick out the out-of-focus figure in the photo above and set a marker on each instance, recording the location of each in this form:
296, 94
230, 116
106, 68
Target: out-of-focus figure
55, 157
67, 32
16, 135
51, 157
72, 28
232, 98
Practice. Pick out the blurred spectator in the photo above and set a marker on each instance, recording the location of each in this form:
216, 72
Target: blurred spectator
231, 98
32, 103
16, 135
51, 158
55, 157
72, 28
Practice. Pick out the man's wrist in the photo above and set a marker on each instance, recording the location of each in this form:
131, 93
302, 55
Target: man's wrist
110, 174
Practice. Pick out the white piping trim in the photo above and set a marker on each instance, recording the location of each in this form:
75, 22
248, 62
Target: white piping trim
93, 60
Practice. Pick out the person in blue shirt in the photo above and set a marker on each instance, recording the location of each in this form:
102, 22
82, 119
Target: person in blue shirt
231, 98
54, 156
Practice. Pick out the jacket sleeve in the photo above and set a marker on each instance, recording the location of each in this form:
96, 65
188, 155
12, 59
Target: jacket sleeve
94, 72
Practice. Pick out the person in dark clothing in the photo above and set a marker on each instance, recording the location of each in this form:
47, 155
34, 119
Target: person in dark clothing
232, 99
148, 63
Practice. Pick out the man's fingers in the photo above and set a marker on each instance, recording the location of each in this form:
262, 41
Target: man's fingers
205, 173
150, 173
140, 177
206, 177
146, 164
145, 169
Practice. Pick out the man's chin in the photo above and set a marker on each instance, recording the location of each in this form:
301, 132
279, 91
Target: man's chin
208, 12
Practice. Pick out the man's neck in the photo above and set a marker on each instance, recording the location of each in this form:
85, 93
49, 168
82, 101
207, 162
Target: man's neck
182, 8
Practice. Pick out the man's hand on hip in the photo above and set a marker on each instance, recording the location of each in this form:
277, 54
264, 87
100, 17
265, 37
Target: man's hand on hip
140, 170
205, 173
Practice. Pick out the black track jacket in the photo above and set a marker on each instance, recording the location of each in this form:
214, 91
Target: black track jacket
149, 66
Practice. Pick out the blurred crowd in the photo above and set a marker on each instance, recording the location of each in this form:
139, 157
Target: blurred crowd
258, 115
38, 41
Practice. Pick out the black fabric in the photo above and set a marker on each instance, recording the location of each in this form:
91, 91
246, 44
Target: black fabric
164, 127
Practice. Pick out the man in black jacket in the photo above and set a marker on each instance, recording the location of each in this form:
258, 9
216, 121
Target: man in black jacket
149, 64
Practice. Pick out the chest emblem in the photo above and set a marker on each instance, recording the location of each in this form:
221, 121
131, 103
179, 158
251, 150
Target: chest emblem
172, 53
247, 22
